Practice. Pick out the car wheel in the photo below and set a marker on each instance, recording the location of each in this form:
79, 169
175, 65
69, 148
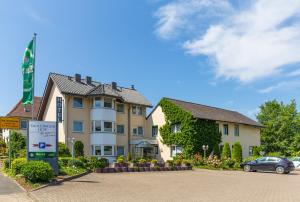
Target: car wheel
247, 168
280, 170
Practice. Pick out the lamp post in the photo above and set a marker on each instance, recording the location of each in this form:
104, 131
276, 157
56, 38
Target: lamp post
205, 148
72, 140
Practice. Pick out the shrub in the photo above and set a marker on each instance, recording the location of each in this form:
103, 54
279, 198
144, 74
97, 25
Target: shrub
65, 160
120, 159
275, 154
63, 150
129, 157
95, 163
6, 164
142, 161
198, 160
186, 162
216, 150
78, 147
296, 153
75, 163
237, 152
18, 142
2, 147
154, 161
250, 158
21, 153
178, 162
228, 163
214, 161
256, 150
37, 171
170, 162
226, 153
17, 165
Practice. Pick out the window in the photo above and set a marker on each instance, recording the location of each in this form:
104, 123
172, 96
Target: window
137, 110
250, 150
78, 126
120, 108
134, 131
176, 150
120, 150
96, 126
108, 126
97, 150
107, 102
273, 159
236, 130
175, 128
263, 159
23, 124
155, 149
154, 131
120, 129
225, 127
97, 102
108, 150
140, 130
77, 102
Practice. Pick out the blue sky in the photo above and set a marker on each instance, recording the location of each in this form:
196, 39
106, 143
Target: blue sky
230, 54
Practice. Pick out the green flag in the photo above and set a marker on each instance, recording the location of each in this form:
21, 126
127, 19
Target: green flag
28, 73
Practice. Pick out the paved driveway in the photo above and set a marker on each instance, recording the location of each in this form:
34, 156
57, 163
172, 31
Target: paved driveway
198, 185
10, 191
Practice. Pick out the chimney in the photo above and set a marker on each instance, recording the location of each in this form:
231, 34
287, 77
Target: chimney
78, 78
88, 80
132, 87
114, 85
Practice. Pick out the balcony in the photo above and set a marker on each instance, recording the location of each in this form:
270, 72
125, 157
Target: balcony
103, 138
107, 114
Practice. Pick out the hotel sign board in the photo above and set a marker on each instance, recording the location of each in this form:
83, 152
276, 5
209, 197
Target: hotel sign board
10, 123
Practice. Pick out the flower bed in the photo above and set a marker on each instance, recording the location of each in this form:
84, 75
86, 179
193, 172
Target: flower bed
141, 169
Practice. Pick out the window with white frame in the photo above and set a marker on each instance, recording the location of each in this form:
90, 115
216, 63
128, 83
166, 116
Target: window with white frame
175, 128
138, 131
108, 126
108, 150
120, 150
78, 126
120, 108
154, 131
108, 103
23, 124
97, 150
97, 102
225, 129
96, 126
137, 110
77, 102
236, 130
175, 150
120, 129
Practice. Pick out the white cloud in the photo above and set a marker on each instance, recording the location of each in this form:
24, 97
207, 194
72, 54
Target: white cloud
284, 86
294, 73
247, 44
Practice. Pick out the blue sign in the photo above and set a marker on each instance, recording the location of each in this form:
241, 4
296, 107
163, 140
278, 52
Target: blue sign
42, 145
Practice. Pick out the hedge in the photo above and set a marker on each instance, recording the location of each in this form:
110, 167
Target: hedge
37, 171
237, 154
226, 153
17, 164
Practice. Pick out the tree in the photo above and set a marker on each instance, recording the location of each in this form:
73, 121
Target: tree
281, 127
63, 150
237, 152
78, 147
18, 143
216, 150
226, 152
2, 147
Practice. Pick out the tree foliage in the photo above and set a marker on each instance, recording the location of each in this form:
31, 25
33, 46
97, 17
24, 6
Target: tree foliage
237, 152
78, 147
193, 132
281, 127
226, 152
18, 142
216, 150
63, 150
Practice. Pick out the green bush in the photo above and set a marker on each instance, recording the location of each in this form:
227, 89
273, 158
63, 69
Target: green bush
6, 164
186, 162
237, 154
216, 150
170, 162
21, 153
18, 142
250, 158
275, 154
78, 147
120, 159
63, 150
228, 163
94, 163
256, 150
65, 160
129, 157
37, 171
198, 160
75, 163
2, 147
142, 161
17, 165
154, 161
178, 162
226, 153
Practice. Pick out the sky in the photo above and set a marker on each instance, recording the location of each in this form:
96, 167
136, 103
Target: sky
231, 54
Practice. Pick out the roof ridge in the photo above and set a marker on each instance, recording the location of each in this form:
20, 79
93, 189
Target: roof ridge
201, 104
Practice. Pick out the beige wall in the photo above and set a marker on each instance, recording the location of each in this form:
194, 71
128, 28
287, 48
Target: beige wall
248, 136
50, 111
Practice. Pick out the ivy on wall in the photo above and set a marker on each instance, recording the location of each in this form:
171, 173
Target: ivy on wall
193, 132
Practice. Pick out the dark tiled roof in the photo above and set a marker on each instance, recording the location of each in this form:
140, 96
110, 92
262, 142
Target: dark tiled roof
213, 113
19, 111
68, 85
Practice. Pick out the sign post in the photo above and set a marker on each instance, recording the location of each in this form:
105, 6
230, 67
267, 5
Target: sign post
42, 142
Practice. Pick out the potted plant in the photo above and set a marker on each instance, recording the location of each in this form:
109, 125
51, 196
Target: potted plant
153, 163
142, 162
169, 163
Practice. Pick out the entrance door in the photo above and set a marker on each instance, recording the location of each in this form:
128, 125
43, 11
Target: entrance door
148, 152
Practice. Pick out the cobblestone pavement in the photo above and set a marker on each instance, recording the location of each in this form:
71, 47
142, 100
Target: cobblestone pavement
10, 191
197, 185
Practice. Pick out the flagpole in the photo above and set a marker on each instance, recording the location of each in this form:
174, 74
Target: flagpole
33, 75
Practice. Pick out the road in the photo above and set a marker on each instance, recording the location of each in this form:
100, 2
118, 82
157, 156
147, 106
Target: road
197, 185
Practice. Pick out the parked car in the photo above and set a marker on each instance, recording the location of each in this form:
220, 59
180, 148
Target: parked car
296, 162
277, 164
